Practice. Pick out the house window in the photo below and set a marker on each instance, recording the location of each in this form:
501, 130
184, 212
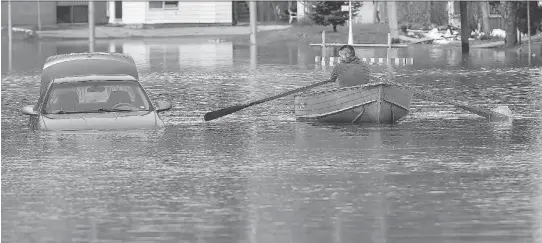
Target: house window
155, 5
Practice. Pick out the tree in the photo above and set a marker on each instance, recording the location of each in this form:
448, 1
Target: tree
329, 13
484, 7
536, 17
515, 17
508, 10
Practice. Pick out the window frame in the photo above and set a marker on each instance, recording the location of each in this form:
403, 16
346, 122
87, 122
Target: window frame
164, 6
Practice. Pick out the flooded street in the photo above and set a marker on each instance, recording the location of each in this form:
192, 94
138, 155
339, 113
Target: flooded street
439, 175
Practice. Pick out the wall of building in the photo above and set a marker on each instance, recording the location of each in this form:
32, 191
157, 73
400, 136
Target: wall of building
26, 13
185, 13
192, 12
132, 12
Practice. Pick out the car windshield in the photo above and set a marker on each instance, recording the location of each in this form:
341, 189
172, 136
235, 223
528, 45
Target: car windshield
96, 96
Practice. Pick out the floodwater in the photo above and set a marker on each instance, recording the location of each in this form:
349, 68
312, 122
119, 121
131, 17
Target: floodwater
439, 175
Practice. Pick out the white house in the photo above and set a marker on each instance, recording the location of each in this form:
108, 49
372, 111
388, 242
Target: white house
170, 12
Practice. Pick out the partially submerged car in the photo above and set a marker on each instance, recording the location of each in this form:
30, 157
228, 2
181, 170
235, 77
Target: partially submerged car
93, 91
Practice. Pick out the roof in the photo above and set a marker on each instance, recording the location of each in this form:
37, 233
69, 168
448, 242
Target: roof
85, 64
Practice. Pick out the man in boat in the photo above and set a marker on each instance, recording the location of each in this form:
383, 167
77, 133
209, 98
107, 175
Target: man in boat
350, 71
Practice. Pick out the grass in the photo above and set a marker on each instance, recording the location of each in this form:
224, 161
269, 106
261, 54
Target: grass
309, 33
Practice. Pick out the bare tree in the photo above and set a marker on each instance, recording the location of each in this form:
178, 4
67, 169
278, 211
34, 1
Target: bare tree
508, 10
484, 6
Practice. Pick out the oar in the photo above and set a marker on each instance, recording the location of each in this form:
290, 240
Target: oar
501, 113
228, 110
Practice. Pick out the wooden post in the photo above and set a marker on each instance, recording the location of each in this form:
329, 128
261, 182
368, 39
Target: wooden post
324, 54
350, 34
91, 27
10, 38
389, 40
39, 15
464, 27
529, 28
253, 22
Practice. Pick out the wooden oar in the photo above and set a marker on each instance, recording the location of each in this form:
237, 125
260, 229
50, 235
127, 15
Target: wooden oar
501, 113
228, 110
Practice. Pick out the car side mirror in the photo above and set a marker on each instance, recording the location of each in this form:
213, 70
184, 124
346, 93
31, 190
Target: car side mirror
29, 110
163, 106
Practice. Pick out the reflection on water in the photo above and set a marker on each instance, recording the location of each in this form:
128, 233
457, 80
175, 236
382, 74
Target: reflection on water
440, 175
175, 55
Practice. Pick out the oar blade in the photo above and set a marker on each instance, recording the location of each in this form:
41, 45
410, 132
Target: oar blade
499, 114
222, 112
502, 113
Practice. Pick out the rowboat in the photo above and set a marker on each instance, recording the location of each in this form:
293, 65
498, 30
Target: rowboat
378, 102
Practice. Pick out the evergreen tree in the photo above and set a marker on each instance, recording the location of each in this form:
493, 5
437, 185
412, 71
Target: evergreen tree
329, 13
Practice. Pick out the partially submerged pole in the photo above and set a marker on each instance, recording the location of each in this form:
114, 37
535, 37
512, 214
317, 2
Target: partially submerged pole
10, 38
324, 51
529, 28
91, 26
464, 27
253, 57
253, 22
350, 34
39, 16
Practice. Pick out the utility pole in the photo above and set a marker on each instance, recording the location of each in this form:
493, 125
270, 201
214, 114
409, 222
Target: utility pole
253, 22
10, 38
91, 26
529, 28
464, 27
39, 15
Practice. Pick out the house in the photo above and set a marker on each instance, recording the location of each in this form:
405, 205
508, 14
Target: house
50, 13
169, 12
25, 13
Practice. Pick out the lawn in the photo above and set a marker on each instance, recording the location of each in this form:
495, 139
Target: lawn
309, 34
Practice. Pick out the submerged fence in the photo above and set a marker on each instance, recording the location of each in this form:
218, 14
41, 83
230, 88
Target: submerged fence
390, 58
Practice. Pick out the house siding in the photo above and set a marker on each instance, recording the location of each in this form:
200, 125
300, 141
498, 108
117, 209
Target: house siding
133, 12
223, 12
191, 13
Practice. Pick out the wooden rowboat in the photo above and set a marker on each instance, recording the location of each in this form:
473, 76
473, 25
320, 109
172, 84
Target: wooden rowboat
380, 103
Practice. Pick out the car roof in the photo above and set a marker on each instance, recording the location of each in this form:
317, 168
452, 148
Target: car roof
85, 64
95, 78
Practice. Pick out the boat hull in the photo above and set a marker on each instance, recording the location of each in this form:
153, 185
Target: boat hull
379, 103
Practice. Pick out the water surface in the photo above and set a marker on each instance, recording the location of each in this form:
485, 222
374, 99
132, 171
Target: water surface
440, 175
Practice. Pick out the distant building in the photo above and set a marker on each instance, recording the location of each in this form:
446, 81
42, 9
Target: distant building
25, 13
170, 12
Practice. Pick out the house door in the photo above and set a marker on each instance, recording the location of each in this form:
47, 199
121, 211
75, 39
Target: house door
118, 9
